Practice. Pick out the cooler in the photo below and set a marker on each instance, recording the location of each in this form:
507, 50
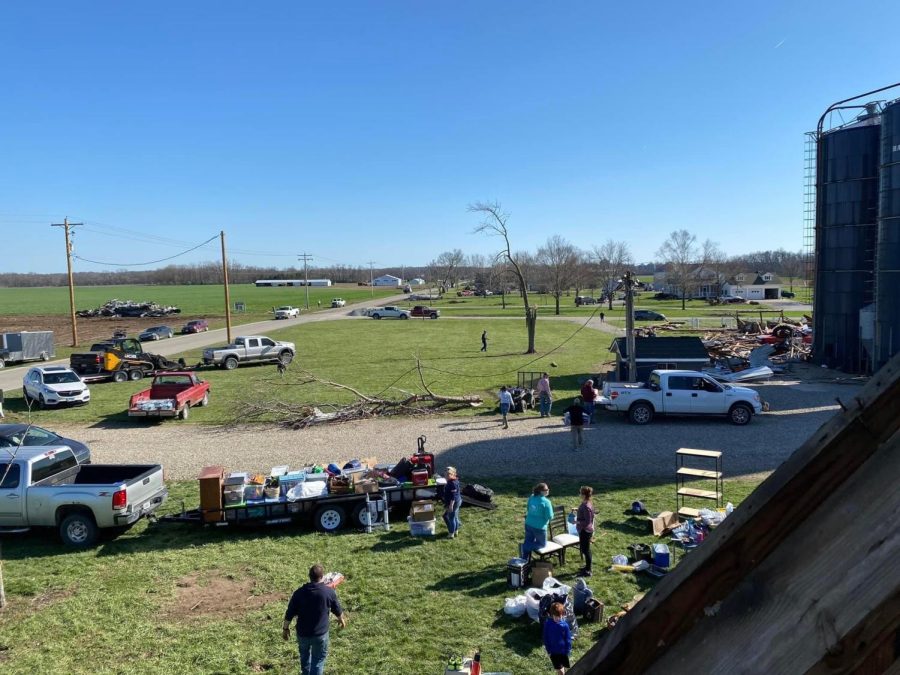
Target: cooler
517, 571
661, 555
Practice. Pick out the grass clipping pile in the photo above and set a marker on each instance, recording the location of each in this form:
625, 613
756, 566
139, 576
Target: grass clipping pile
301, 416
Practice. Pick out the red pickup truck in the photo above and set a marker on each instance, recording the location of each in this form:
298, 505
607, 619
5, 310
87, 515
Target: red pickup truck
423, 311
170, 395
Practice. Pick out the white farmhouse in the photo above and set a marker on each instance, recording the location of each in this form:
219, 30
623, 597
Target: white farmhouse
754, 286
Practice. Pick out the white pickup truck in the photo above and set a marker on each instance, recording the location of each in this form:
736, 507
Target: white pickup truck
47, 487
287, 312
249, 349
680, 392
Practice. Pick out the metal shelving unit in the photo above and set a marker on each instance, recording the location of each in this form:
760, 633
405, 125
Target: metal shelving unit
711, 472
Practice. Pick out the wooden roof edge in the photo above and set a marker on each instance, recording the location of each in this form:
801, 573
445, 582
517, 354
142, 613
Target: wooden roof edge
756, 527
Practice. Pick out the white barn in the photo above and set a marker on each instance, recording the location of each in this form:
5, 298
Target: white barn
387, 280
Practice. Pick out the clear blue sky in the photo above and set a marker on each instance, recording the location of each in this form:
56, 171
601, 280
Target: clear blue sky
360, 131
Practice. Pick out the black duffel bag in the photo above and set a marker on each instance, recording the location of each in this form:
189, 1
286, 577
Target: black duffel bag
478, 492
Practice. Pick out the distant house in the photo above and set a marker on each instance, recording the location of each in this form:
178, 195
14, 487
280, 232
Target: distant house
703, 283
418, 281
659, 353
292, 282
387, 280
754, 286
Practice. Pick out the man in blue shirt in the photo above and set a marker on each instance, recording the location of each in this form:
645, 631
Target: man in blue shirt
310, 604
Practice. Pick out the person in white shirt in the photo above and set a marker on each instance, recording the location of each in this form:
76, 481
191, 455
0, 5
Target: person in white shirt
506, 402
545, 396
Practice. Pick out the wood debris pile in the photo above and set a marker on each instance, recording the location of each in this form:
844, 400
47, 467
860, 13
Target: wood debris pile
128, 308
789, 340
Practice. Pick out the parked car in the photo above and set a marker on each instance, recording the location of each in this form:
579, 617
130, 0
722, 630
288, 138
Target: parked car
13, 435
47, 487
248, 349
170, 395
156, 333
666, 296
731, 299
584, 300
787, 294
54, 385
465, 294
338, 302
389, 313
680, 392
648, 315
424, 311
287, 312
195, 326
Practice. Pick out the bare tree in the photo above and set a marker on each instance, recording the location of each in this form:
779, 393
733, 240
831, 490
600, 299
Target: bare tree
494, 223
713, 266
792, 266
679, 253
611, 260
560, 261
446, 267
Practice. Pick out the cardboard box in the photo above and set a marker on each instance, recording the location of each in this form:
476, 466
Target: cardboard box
664, 522
540, 570
365, 485
422, 511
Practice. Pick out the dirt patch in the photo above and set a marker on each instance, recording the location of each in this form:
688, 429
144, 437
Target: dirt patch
217, 596
32, 604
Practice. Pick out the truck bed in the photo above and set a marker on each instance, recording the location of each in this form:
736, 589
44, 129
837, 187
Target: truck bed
98, 474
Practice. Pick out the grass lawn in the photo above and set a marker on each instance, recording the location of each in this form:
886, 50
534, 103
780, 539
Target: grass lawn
371, 355
194, 301
178, 598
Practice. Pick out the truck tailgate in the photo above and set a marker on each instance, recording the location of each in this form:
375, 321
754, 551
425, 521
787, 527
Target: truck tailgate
145, 493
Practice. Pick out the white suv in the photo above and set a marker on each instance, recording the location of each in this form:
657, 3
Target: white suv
338, 302
53, 385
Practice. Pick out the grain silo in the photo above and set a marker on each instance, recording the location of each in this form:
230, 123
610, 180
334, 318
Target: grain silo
887, 266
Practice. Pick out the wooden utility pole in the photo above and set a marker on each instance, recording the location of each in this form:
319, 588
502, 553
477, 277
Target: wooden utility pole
227, 292
628, 284
66, 225
305, 257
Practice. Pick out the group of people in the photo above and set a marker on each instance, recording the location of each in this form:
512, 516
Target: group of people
582, 408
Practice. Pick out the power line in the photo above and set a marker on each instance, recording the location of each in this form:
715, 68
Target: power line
151, 262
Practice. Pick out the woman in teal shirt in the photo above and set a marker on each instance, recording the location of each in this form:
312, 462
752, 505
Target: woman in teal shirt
538, 515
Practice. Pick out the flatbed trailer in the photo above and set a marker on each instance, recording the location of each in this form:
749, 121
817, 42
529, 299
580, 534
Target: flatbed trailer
328, 513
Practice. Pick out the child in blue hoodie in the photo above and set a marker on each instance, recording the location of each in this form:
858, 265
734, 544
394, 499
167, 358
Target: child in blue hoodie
558, 638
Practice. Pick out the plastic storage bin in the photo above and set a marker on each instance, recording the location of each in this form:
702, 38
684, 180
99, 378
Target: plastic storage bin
421, 529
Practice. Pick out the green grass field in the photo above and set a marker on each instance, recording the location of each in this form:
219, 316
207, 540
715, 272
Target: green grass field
194, 301
177, 598
371, 355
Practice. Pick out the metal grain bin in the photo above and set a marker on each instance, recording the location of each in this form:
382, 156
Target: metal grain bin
887, 267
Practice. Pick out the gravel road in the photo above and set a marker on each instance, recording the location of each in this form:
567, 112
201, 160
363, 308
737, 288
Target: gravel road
532, 447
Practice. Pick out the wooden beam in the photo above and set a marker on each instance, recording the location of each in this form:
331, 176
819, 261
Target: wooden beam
756, 528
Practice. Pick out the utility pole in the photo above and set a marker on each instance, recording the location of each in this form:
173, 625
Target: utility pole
305, 257
227, 293
66, 225
628, 284
371, 280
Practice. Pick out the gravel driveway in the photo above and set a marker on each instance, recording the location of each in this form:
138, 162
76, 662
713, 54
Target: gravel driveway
532, 447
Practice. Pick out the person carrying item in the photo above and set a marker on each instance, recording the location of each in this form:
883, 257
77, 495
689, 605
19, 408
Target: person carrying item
310, 604
576, 422
538, 514
558, 638
588, 394
545, 396
584, 524
484, 341
506, 402
452, 502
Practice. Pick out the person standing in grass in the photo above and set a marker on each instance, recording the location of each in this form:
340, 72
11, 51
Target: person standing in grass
538, 514
576, 422
452, 502
588, 394
506, 402
545, 396
584, 523
484, 341
310, 604
558, 638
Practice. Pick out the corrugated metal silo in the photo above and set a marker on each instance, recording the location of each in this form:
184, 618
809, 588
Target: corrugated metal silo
846, 228
887, 284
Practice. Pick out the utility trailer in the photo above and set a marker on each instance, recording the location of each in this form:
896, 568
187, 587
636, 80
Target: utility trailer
26, 346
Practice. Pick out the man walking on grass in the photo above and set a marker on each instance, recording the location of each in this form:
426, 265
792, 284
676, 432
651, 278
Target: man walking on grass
484, 341
506, 402
576, 422
310, 604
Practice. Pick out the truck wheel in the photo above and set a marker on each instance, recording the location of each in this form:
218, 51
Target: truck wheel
185, 411
45, 356
640, 413
376, 316
361, 516
434, 316
285, 357
136, 374
329, 518
120, 376
740, 414
404, 316
78, 530
205, 401
230, 363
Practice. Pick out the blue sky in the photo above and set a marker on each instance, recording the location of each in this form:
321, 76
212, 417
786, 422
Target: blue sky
360, 131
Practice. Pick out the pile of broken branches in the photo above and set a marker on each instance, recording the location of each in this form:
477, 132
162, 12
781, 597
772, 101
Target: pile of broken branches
303, 415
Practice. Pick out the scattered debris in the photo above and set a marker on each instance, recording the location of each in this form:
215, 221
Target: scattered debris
128, 308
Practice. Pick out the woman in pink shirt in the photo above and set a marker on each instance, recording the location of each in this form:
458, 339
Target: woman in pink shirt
545, 396
584, 523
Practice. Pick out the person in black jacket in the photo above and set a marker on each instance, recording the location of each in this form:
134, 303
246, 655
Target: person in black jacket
310, 604
452, 502
576, 422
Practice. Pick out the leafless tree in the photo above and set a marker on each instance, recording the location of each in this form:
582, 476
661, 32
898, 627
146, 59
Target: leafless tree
792, 265
611, 260
679, 253
713, 266
494, 223
560, 261
446, 267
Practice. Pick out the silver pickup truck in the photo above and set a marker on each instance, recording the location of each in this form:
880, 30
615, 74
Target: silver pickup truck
249, 349
47, 487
